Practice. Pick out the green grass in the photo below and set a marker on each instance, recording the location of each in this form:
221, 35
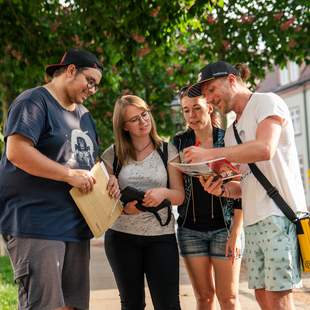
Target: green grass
8, 290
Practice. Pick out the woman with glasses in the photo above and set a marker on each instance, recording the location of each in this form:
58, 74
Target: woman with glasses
137, 245
209, 240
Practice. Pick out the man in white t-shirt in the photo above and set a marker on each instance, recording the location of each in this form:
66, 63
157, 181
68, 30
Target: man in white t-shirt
265, 128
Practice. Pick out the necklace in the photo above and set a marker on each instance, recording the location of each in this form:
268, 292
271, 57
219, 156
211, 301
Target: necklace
139, 151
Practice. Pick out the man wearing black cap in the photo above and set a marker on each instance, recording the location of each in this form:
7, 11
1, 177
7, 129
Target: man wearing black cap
46, 236
264, 125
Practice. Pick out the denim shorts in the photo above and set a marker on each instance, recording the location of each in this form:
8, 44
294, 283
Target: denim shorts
271, 252
201, 243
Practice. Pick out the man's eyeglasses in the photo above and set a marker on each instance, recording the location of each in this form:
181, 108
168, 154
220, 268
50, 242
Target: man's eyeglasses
91, 83
144, 116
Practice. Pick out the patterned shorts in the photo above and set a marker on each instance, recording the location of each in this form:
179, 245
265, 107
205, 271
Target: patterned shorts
271, 252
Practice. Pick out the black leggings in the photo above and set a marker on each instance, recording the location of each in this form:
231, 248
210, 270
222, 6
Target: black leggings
132, 256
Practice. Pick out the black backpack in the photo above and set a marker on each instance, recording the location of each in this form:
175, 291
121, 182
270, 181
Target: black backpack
165, 203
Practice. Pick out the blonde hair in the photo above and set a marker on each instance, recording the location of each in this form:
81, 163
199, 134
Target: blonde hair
123, 145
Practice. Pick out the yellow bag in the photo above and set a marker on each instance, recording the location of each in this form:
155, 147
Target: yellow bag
303, 235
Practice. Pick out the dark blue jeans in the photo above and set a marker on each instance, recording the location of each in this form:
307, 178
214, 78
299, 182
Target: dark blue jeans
132, 256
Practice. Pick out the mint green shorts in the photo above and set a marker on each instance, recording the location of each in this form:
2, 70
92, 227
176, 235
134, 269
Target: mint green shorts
271, 253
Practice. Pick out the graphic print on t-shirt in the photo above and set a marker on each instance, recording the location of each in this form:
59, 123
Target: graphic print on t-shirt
82, 149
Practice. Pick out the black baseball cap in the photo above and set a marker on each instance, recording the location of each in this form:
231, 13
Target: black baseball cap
209, 72
78, 57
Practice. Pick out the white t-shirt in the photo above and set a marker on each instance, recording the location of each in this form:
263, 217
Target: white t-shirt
143, 175
282, 170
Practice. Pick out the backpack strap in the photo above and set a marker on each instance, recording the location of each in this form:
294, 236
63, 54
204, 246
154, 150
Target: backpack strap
117, 166
164, 157
164, 153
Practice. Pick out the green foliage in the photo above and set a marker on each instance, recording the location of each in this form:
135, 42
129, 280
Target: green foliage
148, 47
8, 290
1, 141
260, 33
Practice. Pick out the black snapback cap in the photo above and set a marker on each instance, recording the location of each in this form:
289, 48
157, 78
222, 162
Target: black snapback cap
209, 72
78, 57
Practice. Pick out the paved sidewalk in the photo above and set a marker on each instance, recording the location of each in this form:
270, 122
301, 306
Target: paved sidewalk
104, 294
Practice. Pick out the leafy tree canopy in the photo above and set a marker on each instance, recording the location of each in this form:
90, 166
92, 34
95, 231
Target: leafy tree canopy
148, 47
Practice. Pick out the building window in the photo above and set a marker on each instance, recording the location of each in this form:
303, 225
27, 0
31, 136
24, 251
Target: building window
284, 78
290, 73
295, 115
294, 71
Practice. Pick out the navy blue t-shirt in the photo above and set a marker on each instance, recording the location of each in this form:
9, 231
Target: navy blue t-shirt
37, 207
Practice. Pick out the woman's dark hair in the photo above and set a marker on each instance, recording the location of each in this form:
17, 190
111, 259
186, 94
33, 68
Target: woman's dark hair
183, 91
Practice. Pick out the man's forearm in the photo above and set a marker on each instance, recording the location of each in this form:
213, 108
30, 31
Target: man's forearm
264, 146
24, 156
248, 152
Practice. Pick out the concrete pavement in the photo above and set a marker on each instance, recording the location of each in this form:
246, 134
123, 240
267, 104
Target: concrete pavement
104, 294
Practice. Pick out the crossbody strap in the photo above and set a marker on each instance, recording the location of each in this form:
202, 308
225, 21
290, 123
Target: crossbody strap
271, 190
